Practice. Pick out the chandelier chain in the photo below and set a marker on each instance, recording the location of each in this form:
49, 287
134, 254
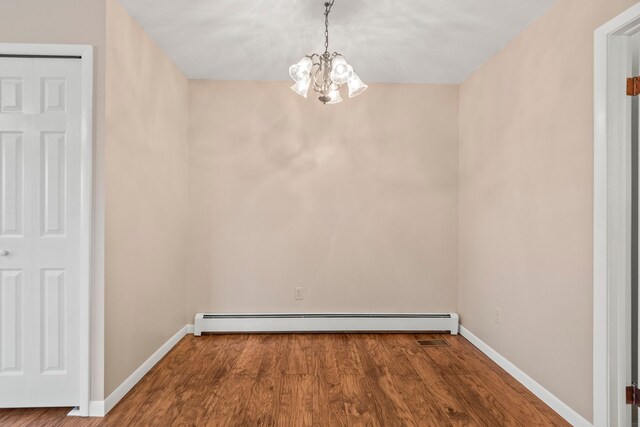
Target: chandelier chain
327, 6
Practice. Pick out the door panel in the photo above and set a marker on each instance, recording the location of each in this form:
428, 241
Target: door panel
11, 95
39, 232
53, 185
11, 322
53, 95
11, 184
53, 328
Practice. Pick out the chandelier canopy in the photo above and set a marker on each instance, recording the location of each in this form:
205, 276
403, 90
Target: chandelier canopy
326, 72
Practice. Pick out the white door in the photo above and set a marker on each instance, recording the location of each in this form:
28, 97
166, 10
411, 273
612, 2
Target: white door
39, 232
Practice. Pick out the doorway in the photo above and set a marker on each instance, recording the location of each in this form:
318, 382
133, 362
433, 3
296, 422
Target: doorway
45, 223
634, 46
615, 343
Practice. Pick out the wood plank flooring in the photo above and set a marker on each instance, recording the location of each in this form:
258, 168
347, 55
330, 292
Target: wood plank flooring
317, 380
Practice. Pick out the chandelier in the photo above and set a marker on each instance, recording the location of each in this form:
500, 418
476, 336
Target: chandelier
327, 72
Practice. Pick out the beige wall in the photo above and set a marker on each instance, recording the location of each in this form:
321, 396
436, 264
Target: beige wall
146, 197
356, 203
72, 22
526, 171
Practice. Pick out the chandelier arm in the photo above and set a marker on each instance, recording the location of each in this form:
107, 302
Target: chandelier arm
315, 59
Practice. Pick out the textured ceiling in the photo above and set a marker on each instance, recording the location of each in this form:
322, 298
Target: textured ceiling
403, 41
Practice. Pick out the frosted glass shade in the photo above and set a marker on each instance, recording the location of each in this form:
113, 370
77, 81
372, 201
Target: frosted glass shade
356, 86
338, 59
301, 87
301, 70
341, 72
335, 97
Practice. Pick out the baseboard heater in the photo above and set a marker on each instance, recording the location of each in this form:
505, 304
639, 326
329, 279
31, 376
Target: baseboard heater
334, 322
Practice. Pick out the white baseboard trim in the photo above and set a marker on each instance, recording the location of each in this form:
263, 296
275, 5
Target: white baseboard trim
543, 394
96, 408
190, 328
99, 408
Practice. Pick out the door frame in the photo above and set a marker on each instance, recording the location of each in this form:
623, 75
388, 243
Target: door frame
612, 218
85, 55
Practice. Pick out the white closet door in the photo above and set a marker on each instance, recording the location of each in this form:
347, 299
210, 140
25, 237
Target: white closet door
39, 231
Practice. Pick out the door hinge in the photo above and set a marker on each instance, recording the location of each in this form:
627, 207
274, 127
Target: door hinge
633, 395
633, 86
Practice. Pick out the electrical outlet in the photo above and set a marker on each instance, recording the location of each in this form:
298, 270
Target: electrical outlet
299, 294
496, 315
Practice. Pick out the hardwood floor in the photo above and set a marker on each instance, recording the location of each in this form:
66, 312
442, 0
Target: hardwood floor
317, 380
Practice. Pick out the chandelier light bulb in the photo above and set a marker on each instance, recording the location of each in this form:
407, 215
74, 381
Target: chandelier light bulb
301, 70
301, 87
325, 72
356, 86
